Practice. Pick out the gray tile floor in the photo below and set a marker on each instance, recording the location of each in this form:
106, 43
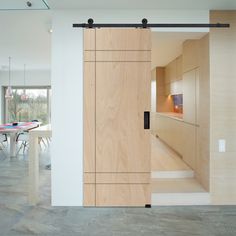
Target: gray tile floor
17, 218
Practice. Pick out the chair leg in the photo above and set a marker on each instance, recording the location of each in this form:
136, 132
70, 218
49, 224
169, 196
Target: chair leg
45, 145
21, 146
24, 144
2, 148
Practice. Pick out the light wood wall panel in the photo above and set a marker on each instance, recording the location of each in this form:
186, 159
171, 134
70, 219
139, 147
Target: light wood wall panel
223, 108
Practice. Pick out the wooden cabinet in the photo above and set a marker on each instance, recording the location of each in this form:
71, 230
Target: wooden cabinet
173, 77
167, 89
189, 144
190, 55
176, 87
117, 89
171, 72
170, 131
191, 96
179, 67
179, 135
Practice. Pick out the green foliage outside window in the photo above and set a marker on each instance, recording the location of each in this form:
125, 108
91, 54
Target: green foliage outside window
34, 108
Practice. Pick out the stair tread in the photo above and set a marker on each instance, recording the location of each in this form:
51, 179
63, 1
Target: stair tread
185, 185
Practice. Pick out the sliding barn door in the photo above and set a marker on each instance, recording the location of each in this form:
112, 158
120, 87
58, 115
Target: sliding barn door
116, 94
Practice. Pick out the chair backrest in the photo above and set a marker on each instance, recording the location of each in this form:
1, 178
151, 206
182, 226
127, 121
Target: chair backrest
3, 138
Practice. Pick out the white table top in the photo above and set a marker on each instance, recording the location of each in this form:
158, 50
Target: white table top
45, 130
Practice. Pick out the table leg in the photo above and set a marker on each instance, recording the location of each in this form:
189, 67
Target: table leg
13, 144
33, 170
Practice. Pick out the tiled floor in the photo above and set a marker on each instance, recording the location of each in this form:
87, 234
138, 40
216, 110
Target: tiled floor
17, 218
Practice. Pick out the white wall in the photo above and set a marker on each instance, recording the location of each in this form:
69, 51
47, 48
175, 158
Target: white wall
67, 87
33, 78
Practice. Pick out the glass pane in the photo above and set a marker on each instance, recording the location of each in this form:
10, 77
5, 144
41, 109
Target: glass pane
34, 108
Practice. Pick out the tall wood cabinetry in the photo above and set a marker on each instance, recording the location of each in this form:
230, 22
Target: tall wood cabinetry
173, 77
117, 79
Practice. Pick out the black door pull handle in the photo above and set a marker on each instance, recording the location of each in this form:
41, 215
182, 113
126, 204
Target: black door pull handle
147, 120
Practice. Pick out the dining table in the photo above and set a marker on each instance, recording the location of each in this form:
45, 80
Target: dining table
14, 129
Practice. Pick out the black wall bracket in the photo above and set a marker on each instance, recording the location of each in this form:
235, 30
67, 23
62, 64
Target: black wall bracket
145, 24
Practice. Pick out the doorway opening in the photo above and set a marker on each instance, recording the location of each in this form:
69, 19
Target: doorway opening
180, 118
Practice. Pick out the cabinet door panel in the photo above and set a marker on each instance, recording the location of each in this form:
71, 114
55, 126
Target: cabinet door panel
189, 96
189, 142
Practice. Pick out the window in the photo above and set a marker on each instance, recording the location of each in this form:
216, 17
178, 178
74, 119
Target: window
36, 107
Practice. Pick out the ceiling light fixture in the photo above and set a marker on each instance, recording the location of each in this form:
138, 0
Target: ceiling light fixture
24, 96
9, 94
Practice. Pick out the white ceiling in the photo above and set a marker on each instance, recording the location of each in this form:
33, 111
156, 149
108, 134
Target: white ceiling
142, 4
22, 5
167, 46
25, 37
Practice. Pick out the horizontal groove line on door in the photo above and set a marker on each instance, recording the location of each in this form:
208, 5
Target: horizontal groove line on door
117, 61
122, 183
119, 172
118, 50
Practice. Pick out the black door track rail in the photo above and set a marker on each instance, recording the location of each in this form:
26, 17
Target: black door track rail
145, 24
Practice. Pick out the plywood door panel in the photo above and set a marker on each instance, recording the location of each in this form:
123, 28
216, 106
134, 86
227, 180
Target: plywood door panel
89, 178
123, 56
122, 194
89, 117
89, 195
123, 39
89, 39
117, 92
123, 178
122, 96
89, 56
